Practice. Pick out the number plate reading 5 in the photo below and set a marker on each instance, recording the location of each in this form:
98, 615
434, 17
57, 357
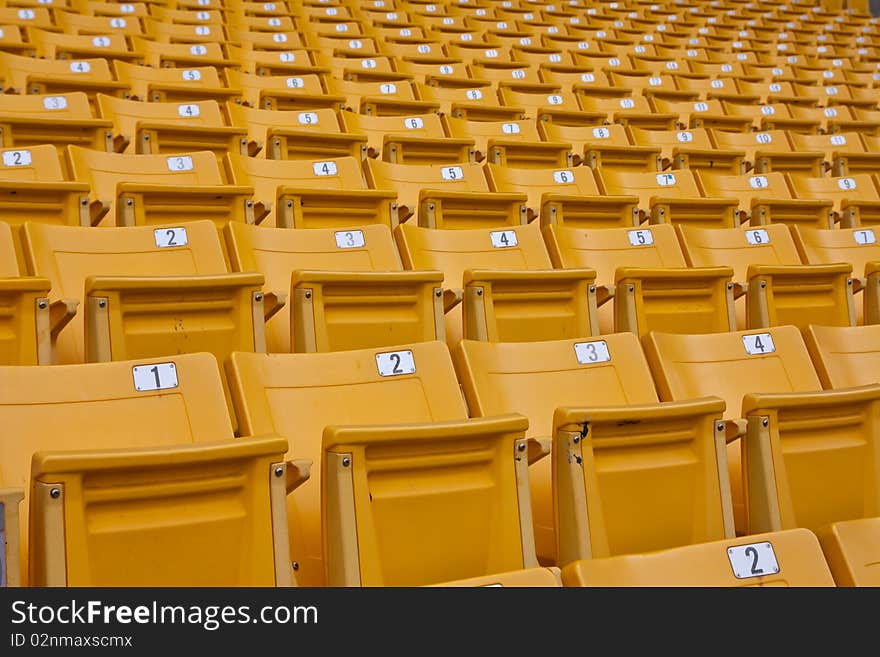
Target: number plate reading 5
753, 560
350, 239
641, 237
166, 237
502, 239
758, 343
451, 173
395, 363
160, 376
592, 352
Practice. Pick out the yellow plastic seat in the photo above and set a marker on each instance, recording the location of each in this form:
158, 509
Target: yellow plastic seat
645, 272
519, 72
460, 518
190, 34
75, 23
505, 282
39, 17
152, 128
538, 98
446, 196
422, 68
687, 149
106, 455
181, 55
312, 193
670, 197
606, 147
12, 39
856, 198
392, 94
276, 62
650, 85
478, 101
768, 270
173, 85
284, 92
139, 190
770, 150
635, 111
416, 139
776, 116
347, 288
701, 114
510, 143
845, 356
844, 152
52, 45
43, 76
570, 196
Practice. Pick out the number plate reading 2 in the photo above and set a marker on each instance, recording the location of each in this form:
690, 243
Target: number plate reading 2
166, 237
395, 363
753, 560
16, 158
502, 239
592, 352
758, 343
160, 376
350, 239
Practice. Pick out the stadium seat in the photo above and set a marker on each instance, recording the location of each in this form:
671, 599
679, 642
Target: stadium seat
283, 92
510, 143
856, 201
508, 289
27, 75
687, 149
181, 55
478, 101
106, 453
634, 111
346, 288
701, 114
845, 356
173, 85
139, 190
845, 153
52, 45
339, 405
770, 150
33, 120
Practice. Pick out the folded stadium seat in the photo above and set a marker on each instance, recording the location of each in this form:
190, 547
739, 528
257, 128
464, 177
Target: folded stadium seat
704, 89
646, 83
347, 288
281, 135
845, 356
319, 42
33, 119
174, 84
505, 282
844, 152
777, 116
27, 75
279, 92
701, 114
353, 65
498, 71
856, 198
428, 46
538, 99
391, 97
510, 143
152, 128
190, 34
410, 139
76, 23
807, 454
182, 55
766, 198
635, 111
767, 93
646, 273
479, 101
602, 147
446, 196
276, 62
52, 45
423, 67
770, 150
434, 533
98, 8
837, 94
138, 190
650, 494
858, 246
312, 194
583, 79
162, 451
778, 288
569, 196
686, 149
12, 40
670, 197
535, 55
269, 24
23, 17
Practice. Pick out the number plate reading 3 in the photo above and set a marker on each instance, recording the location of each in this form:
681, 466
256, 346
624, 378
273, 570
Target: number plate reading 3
592, 352
166, 237
758, 343
160, 376
501, 239
395, 363
180, 163
753, 560
350, 239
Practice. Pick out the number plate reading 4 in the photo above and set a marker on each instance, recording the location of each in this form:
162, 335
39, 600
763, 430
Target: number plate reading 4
160, 376
501, 239
758, 343
592, 352
753, 560
395, 363
166, 237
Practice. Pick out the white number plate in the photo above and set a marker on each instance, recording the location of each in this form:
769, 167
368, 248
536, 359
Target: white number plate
502, 239
350, 239
395, 363
191, 75
758, 182
16, 158
864, 237
452, 173
80, 67
846, 183
592, 352
160, 376
753, 560
180, 163
757, 237
510, 128
601, 133
324, 168
641, 237
307, 118
188, 110
55, 103
564, 177
665, 179
685, 137
166, 237
758, 343
414, 123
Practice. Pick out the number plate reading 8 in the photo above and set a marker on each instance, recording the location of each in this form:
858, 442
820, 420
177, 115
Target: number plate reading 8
324, 168
601, 133
502, 239
414, 123
395, 363
16, 158
451, 173
160, 376
188, 110
863, 237
753, 560
55, 103
757, 237
758, 343
758, 182
166, 237
641, 237
592, 352
350, 239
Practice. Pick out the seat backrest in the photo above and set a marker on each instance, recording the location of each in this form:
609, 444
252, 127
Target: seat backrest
57, 107
302, 394
857, 246
127, 114
265, 176
535, 183
669, 139
738, 247
730, 365
258, 122
679, 184
67, 255
854, 188
17, 70
409, 179
34, 163
766, 141
142, 76
844, 142
764, 185
607, 249
845, 356
376, 128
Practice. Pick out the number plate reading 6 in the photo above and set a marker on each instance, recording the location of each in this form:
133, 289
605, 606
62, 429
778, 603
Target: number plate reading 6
166, 237
180, 163
861, 237
502, 239
592, 352
564, 177
757, 237
395, 363
452, 173
16, 158
160, 376
295, 83
753, 560
414, 123
350, 239
758, 343
188, 110
641, 237
324, 168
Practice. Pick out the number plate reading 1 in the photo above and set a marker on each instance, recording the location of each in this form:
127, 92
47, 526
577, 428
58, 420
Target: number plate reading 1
592, 352
324, 168
16, 158
395, 363
160, 376
188, 110
452, 173
753, 560
350, 239
641, 237
757, 237
758, 343
665, 179
180, 163
55, 103
414, 123
166, 237
861, 237
564, 177
502, 239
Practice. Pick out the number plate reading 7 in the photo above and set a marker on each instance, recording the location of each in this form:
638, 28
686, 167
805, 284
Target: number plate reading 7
592, 352
502, 239
395, 363
861, 237
160, 376
758, 343
350, 239
166, 237
753, 560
